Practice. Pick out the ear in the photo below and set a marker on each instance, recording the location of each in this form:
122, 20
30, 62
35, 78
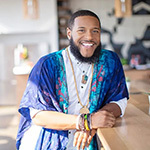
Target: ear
68, 33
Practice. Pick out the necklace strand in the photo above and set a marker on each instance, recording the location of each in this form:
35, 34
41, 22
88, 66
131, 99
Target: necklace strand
76, 82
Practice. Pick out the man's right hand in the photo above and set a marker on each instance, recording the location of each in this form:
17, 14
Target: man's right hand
83, 138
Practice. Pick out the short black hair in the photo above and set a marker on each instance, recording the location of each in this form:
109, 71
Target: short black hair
81, 13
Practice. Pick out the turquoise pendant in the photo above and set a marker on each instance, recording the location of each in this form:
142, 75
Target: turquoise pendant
84, 79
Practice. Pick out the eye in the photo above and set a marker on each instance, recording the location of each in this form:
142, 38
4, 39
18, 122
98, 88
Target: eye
81, 30
95, 31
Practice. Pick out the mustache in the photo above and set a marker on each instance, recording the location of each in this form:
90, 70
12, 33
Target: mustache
88, 41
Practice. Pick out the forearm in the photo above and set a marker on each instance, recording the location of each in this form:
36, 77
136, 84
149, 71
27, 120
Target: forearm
55, 120
113, 108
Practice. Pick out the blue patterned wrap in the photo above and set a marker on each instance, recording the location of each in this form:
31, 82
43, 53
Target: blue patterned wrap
47, 90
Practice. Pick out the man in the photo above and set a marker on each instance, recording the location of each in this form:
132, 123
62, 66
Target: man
72, 92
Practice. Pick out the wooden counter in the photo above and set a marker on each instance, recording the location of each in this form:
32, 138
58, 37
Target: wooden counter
131, 132
134, 74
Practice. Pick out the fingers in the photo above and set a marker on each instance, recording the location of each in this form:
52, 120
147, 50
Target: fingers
90, 137
82, 139
89, 140
76, 136
109, 121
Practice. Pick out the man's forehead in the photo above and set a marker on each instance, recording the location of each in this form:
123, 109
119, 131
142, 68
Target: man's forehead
85, 20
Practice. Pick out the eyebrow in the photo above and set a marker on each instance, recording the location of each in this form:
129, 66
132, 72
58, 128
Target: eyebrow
97, 28
81, 27
93, 28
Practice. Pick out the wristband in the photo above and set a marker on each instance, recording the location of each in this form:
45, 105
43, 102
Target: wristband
89, 121
77, 123
86, 125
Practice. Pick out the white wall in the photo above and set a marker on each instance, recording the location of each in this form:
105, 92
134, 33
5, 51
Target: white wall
15, 29
41, 36
13, 22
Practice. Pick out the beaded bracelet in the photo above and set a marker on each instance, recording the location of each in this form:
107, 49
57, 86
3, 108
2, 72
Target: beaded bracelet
84, 122
89, 121
81, 123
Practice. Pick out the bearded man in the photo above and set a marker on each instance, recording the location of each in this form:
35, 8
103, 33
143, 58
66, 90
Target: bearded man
72, 92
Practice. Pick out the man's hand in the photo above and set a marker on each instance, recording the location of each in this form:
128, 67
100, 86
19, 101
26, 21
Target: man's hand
103, 118
83, 138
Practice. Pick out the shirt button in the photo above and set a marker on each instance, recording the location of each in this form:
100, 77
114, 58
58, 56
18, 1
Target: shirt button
69, 132
82, 87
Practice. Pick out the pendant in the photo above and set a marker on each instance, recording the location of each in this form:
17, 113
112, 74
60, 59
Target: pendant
84, 110
84, 79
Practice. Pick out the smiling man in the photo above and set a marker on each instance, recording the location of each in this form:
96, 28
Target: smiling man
72, 92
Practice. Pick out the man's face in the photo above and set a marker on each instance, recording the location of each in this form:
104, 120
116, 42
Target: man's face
85, 34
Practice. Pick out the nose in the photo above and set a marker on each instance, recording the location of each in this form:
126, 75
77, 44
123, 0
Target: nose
89, 35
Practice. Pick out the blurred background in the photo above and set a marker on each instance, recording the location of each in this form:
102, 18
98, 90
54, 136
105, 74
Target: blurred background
30, 29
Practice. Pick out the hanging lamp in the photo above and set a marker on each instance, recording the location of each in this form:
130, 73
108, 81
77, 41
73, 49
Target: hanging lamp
123, 8
30, 8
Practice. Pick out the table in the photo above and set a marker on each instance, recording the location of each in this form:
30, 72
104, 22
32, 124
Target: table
131, 132
137, 75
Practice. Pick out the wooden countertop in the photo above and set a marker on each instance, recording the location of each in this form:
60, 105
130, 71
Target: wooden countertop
131, 131
134, 74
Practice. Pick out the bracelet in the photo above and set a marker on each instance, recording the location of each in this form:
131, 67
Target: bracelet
86, 125
84, 122
81, 123
89, 121
77, 123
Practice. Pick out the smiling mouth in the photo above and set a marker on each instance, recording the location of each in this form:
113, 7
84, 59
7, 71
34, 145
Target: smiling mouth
87, 44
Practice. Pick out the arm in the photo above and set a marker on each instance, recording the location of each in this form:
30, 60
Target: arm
61, 121
55, 120
112, 108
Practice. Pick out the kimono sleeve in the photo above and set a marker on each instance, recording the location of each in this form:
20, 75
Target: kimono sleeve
40, 90
117, 84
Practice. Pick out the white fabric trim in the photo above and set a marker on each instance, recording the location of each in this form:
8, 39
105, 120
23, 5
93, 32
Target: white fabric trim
33, 112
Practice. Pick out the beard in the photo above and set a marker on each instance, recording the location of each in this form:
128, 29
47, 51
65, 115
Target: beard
76, 52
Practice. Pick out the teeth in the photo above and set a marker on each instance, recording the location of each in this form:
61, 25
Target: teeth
87, 44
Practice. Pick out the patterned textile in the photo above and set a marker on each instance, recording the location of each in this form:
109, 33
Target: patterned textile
47, 90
